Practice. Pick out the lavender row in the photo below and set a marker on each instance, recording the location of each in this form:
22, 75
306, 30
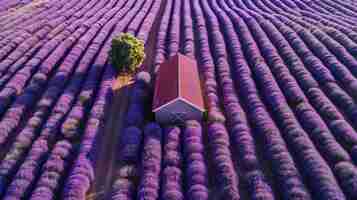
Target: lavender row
326, 109
147, 23
67, 98
95, 123
310, 11
55, 26
217, 133
240, 132
28, 37
43, 110
195, 166
52, 171
8, 4
174, 32
335, 8
270, 135
24, 179
333, 152
131, 141
71, 125
124, 184
322, 104
151, 163
335, 66
160, 50
16, 17
188, 47
56, 116
82, 170
349, 187
30, 94
333, 47
135, 25
26, 29
206, 65
123, 189
172, 174
286, 122
320, 74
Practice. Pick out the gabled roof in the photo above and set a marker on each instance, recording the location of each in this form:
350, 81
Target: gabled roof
178, 77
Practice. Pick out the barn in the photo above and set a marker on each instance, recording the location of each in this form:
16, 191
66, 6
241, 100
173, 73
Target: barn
178, 94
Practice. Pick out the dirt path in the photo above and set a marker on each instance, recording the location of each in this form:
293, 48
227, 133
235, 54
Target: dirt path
22, 8
108, 142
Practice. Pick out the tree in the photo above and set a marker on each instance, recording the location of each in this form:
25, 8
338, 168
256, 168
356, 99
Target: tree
127, 53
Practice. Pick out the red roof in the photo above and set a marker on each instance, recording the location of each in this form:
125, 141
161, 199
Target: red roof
178, 78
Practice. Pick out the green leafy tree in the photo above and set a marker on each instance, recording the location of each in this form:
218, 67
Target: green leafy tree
127, 53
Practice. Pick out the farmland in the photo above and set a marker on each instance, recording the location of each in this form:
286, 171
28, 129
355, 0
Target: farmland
279, 79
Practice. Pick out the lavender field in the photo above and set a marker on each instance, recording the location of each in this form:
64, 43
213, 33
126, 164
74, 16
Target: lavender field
279, 79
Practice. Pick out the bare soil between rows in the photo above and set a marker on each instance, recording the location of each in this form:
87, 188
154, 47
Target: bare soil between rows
105, 167
108, 141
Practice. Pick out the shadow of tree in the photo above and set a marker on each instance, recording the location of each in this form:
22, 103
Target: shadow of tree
108, 141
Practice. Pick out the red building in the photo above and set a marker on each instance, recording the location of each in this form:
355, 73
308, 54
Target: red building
178, 94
